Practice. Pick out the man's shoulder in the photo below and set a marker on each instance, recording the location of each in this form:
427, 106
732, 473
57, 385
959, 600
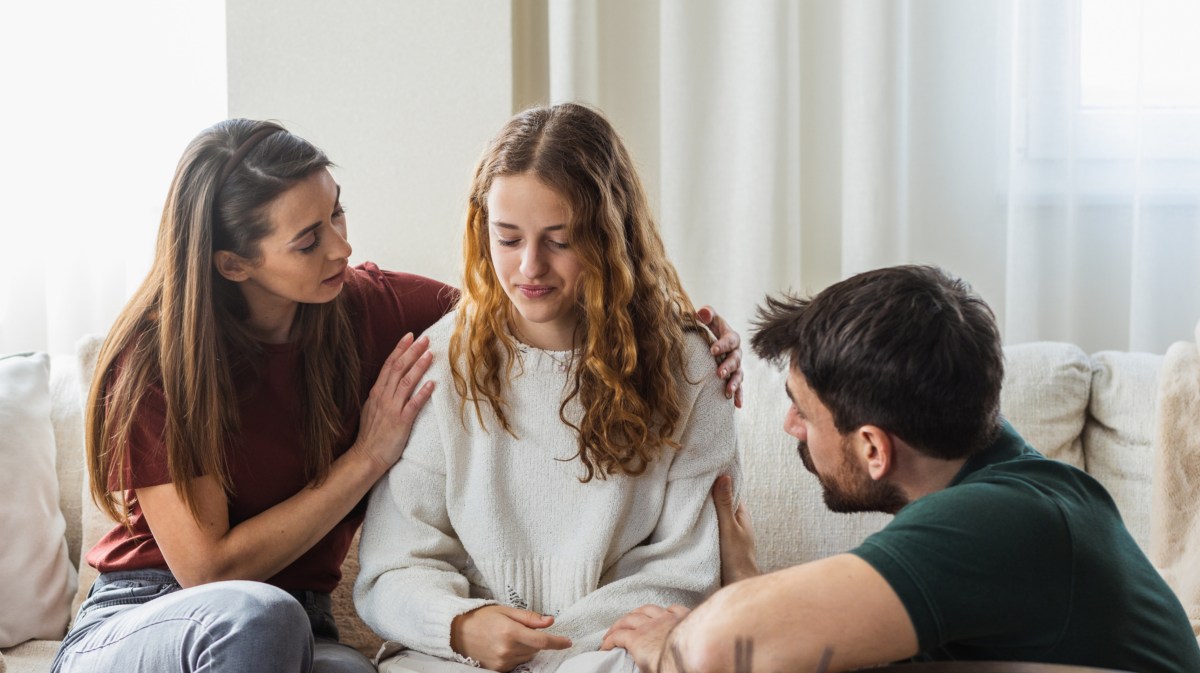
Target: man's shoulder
1020, 491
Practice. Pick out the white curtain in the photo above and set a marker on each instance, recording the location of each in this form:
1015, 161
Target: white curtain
1043, 149
789, 144
716, 136
1104, 172
99, 101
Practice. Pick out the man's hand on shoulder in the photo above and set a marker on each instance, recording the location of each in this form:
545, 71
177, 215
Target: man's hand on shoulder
738, 556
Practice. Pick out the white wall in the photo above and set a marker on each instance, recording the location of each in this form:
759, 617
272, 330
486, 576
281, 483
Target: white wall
402, 96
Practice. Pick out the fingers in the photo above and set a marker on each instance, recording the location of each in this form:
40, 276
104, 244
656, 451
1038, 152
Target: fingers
501, 637
532, 637
398, 364
630, 622
394, 401
412, 376
736, 533
731, 367
529, 618
385, 380
731, 364
722, 493
735, 388
648, 618
417, 402
415, 358
403, 370
541, 640
728, 340
727, 349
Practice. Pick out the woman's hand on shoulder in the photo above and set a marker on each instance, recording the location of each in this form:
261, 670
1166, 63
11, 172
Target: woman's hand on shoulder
727, 350
393, 403
500, 638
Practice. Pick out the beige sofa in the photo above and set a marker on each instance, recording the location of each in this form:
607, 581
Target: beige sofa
1096, 412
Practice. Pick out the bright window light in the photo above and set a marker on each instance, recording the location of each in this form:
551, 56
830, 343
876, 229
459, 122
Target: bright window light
1124, 42
100, 100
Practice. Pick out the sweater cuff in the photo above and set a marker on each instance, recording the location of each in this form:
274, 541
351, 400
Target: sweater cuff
435, 632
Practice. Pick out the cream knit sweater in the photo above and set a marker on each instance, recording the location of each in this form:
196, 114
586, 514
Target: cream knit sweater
470, 517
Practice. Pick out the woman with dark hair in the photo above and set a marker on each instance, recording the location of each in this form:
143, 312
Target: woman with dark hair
561, 475
245, 400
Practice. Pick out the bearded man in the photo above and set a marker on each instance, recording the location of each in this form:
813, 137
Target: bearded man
995, 552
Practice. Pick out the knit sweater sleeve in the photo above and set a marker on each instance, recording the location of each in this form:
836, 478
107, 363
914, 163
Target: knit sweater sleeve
680, 562
411, 586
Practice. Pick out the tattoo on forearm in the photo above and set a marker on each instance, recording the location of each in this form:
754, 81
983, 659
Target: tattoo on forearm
743, 655
826, 656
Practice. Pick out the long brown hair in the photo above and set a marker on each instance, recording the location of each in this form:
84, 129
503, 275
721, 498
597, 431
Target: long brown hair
632, 308
183, 328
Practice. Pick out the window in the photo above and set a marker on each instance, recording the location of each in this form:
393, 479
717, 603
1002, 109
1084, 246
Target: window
100, 100
1107, 98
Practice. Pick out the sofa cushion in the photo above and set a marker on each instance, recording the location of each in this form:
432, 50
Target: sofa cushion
93, 524
352, 630
66, 413
1045, 397
1118, 438
36, 575
34, 656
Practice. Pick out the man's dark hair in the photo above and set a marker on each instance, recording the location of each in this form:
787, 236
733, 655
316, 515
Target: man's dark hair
908, 348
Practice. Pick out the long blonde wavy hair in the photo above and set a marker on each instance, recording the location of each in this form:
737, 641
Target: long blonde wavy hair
633, 311
182, 330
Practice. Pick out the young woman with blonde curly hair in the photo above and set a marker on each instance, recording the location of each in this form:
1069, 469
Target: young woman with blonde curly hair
245, 401
560, 476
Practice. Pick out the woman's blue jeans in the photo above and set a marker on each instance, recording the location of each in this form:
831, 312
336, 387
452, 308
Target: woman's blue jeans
142, 620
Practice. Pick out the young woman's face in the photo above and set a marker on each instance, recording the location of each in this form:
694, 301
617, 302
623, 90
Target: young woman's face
533, 259
304, 258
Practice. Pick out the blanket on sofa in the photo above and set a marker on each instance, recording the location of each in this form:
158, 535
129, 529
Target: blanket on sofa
1175, 519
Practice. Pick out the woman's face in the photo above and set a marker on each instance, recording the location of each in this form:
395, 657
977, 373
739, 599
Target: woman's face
533, 260
304, 258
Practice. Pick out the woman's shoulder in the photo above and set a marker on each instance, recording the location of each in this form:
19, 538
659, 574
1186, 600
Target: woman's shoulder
439, 333
708, 430
387, 304
697, 356
367, 279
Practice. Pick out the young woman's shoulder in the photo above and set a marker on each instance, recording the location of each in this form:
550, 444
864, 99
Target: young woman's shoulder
708, 431
439, 333
697, 358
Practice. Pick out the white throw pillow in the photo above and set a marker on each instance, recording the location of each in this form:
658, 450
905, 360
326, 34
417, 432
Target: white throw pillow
1119, 437
1045, 396
36, 575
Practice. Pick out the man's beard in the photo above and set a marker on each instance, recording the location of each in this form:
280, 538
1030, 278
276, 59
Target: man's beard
850, 490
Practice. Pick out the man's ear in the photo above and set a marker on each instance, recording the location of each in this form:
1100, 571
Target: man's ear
877, 450
232, 266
